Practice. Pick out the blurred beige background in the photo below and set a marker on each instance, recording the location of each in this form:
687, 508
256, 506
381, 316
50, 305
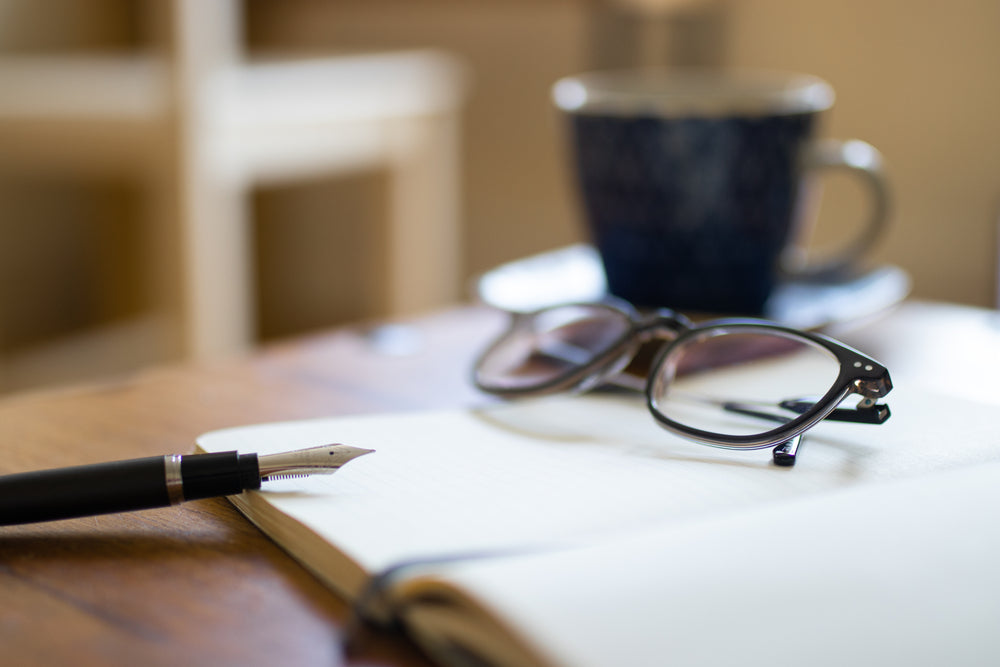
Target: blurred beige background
916, 79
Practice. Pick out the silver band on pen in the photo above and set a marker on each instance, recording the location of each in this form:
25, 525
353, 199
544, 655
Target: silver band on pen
172, 474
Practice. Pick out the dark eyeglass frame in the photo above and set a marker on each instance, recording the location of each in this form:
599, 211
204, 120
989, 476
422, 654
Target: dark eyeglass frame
858, 374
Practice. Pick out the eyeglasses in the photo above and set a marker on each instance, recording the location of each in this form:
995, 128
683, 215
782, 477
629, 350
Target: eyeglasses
796, 378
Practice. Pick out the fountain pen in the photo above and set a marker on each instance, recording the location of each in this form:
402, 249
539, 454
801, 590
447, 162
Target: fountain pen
155, 481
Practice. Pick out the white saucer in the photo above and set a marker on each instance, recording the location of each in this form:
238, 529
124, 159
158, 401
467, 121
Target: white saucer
575, 274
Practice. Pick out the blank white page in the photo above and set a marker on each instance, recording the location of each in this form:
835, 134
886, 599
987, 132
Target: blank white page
563, 471
901, 573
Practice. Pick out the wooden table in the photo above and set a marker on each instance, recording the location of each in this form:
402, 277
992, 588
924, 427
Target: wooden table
197, 583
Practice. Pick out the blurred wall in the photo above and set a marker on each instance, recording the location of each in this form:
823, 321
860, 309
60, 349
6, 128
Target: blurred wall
916, 78
66, 260
516, 194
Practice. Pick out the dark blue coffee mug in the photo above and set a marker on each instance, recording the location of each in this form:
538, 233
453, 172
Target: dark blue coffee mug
692, 182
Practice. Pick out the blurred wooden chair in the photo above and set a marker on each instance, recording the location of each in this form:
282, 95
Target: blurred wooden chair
199, 125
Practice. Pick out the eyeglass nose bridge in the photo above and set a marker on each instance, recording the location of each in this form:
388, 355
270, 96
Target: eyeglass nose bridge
662, 321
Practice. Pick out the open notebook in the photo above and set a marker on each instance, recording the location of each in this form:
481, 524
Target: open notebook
574, 531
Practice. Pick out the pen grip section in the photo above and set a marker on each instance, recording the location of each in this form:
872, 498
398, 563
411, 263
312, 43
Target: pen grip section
100, 488
219, 474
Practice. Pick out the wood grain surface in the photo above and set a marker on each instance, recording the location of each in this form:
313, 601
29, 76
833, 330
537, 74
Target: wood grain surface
197, 584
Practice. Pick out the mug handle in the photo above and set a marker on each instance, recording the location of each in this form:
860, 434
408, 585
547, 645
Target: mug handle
864, 160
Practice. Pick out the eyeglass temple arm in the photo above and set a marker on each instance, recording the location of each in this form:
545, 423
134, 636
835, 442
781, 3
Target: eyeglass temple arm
784, 453
867, 411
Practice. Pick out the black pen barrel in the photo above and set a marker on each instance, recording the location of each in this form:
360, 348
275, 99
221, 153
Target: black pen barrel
219, 474
124, 486
100, 488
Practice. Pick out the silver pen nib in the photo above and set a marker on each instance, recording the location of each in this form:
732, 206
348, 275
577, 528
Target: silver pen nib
322, 460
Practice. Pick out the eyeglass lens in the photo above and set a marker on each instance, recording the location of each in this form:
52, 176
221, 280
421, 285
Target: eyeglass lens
734, 383
547, 346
